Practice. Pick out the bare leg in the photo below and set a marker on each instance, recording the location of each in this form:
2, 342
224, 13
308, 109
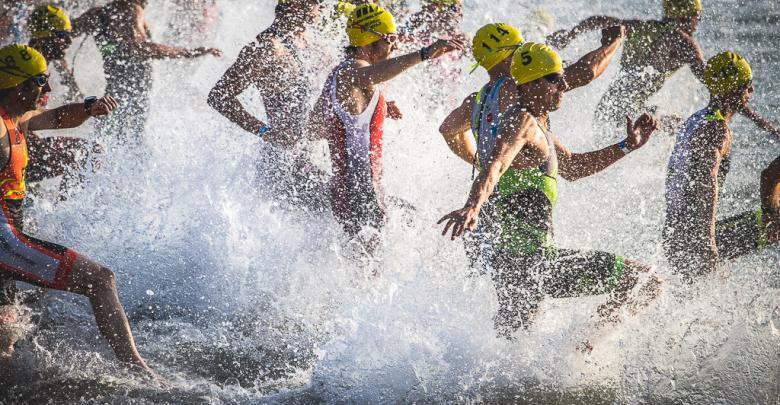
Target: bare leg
8, 338
99, 285
621, 294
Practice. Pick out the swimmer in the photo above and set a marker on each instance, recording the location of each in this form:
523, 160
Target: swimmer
527, 265
51, 32
350, 114
694, 240
274, 65
24, 78
123, 37
480, 113
653, 51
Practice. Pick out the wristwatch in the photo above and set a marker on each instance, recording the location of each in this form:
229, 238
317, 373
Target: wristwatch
88, 103
623, 147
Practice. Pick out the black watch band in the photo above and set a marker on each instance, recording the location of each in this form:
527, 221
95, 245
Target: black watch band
425, 53
88, 103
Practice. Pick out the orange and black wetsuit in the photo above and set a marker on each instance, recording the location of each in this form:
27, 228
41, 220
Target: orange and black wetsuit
24, 258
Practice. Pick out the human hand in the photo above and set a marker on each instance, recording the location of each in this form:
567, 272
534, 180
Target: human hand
639, 132
444, 46
393, 111
103, 106
461, 220
610, 35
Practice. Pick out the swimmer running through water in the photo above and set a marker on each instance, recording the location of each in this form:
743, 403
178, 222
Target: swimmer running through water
653, 51
526, 264
481, 113
350, 115
23, 80
123, 37
50, 30
694, 240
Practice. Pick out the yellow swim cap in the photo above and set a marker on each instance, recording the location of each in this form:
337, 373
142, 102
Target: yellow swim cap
534, 61
368, 23
46, 20
345, 8
19, 63
682, 8
727, 72
493, 43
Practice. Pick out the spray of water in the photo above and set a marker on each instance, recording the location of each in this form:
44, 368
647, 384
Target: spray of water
238, 299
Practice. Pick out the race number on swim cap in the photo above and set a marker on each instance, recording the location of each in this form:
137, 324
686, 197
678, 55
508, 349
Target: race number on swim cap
367, 23
493, 43
727, 72
682, 8
45, 21
533, 61
19, 63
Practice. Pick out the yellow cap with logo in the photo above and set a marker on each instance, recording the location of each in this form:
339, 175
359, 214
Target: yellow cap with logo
727, 72
493, 43
367, 24
45, 21
682, 8
533, 61
19, 63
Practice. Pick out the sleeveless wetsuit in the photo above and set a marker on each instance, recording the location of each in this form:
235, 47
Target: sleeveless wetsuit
637, 80
24, 258
128, 79
684, 233
355, 143
526, 264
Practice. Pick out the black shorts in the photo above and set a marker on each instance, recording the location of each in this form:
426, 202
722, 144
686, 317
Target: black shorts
736, 236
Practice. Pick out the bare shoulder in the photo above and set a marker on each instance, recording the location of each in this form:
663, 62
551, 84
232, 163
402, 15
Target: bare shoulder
519, 122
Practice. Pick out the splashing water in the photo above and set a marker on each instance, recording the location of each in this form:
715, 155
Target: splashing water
251, 302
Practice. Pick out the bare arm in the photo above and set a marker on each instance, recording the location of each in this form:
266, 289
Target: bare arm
762, 122
224, 96
370, 75
561, 39
513, 134
575, 166
68, 116
593, 64
153, 50
456, 130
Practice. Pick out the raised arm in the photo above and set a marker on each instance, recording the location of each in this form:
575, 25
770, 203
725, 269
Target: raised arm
147, 48
593, 64
513, 134
68, 116
561, 39
762, 122
386, 70
575, 166
456, 130
247, 70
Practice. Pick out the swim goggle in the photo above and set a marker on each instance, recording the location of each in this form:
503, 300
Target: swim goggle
40, 80
390, 38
